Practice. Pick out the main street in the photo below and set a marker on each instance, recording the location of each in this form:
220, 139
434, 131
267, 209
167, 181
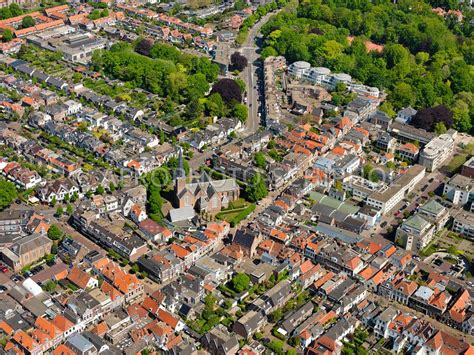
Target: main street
250, 76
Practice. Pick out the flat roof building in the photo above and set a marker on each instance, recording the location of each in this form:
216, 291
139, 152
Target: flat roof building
388, 197
437, 151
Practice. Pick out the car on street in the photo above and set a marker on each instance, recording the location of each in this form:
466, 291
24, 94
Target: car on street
3, 269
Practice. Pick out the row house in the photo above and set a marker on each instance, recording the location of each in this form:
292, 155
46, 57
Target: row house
22, 177
127, 284
57, 190
162, 266
215, 133
187, 26
88, 223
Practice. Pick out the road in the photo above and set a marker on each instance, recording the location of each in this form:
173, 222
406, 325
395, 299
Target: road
250, 75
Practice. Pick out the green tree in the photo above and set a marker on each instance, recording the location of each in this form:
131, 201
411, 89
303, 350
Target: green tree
69, 210
53, 201
135, 268
240, 111
210, 301
402, 95
276, 346
387, 107
74, 197
7, 35
54, 232
242, 85
8, 193
27, 22
215, 106
15, 10
440, 128
59, 211
259, 160
50, 258
268, 52
240, 282
277, 315
369, 173
194, 109
49, 286
256, 188
155, 202
100, 190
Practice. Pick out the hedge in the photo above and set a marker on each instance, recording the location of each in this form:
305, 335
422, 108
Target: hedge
242, 215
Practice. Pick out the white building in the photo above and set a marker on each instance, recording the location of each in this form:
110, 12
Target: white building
299, 69
323, 76
459, 190
437, 151
73, 107
464, 223
388, 197
415, 233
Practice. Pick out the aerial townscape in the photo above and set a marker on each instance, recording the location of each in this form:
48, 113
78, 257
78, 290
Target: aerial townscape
248, 177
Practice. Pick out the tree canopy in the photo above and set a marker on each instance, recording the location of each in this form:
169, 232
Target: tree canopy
11, 11
54, 232
256, 188
238, 61
8, 193
158, 68
429, 118
229, 90
423, 59
240, 282
259, 160
27, 22
7, 35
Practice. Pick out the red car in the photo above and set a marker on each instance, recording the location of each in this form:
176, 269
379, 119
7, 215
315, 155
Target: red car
3, 269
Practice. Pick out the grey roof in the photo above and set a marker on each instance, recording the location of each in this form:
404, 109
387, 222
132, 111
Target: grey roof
407, 111
181, 214
416, 222
245, 237
56, 82
80, 343
293, 320
29, 243
338, 233
38, 74
432, 207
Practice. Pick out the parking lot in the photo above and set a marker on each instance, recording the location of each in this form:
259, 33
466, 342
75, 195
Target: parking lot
431, 183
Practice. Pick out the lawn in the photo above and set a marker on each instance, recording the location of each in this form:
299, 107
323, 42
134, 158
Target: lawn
233, 210
456, 162
237, 211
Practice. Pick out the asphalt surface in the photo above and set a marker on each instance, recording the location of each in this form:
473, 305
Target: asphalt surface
250, 74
